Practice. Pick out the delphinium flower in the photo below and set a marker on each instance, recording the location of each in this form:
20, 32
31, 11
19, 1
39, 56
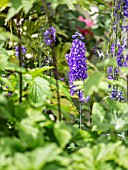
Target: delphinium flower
117, 44
116, 95
50, 35
77, 63
23, 49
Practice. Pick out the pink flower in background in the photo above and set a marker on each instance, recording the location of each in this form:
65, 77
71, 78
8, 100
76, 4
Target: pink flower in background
81, 18
88, 22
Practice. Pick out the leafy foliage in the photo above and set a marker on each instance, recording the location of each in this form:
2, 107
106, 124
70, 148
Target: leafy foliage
31, 137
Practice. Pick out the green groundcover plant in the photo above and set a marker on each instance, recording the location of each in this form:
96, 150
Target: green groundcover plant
63, 85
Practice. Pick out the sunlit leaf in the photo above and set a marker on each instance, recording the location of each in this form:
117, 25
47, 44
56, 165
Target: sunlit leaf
39, 91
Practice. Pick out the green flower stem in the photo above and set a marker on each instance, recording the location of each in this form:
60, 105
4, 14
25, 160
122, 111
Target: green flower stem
55, 70
20, 55
126, 54
80, 115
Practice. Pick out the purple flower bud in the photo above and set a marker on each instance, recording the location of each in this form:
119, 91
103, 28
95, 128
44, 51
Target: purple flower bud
109, 70
110, 77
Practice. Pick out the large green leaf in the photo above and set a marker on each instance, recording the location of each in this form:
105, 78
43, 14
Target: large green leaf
43, 155
92, 84
98, 116
39, 91
62, 134
111, 117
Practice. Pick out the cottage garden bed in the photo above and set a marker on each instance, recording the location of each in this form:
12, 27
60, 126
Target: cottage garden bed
63, 85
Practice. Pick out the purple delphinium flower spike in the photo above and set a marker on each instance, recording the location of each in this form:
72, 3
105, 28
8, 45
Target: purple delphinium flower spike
77, 63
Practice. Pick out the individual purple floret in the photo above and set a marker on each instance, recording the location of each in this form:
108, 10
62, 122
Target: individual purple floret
112, 49
120, 60
87, 99
109, 69
110, 77
50, 35
77, 63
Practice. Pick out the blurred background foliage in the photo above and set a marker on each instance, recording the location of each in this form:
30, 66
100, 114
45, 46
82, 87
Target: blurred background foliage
30, 137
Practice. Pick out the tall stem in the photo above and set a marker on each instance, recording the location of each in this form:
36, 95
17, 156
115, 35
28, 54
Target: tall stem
91, 104
80, 115
126, 63
20, 55
55, 70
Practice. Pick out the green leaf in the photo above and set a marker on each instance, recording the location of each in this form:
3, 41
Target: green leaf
4, 3
107, 62
4, 35
22, 161
8, 104
55, 3
92, 84
15, 8
38, 71
27, 5
39, 91
98, 116
84, 4
43, 155
111, 117
62, 134
65, 48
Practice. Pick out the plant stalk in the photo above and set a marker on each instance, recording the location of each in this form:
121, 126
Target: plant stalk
55, 70
20, 55
80, 111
